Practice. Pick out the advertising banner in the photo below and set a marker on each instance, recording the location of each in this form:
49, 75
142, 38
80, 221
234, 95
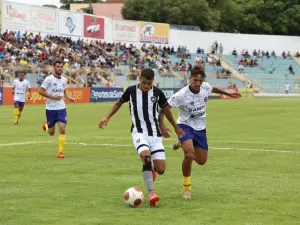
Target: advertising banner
106, 94
229, 90
93, 27
81, 95
124, 30
16, 16
155, 33
246, 92
69, 23
1, 89
43, 19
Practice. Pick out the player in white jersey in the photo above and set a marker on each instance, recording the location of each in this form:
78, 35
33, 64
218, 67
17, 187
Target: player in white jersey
54, 89
191, 101
19, 88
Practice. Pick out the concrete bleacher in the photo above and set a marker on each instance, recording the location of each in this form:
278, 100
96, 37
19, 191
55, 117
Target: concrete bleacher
271, 75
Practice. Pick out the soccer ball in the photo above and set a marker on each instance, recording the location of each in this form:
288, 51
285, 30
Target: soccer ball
133, 197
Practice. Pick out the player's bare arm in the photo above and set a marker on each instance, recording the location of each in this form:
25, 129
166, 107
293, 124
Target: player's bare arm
13, 90
221, 92
164, 130
113, 111
44, 93
66, 96
30, 93
166, 110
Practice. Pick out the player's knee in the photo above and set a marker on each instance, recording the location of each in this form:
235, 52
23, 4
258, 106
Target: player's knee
201, 162
147, 160
160, 169
189, 156
51, 132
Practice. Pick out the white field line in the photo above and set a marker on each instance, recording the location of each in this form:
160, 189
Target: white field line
129, 145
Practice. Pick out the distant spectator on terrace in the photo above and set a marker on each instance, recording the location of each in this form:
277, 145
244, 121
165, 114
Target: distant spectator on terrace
234, 52
200, 50
291, 69
221, 49
283, 55
273, 54
289, 55
241, 68
297, 55
268, 54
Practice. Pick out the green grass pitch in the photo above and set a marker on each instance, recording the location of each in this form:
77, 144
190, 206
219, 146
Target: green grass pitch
251, 177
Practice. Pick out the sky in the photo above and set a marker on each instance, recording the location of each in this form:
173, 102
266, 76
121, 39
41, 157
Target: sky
38, 2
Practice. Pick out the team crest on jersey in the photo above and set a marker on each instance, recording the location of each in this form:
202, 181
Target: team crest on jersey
192, 103
138, 141
153, 99
205, 99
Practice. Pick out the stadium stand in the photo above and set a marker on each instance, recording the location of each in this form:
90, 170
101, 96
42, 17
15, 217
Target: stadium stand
100, 64
266, 70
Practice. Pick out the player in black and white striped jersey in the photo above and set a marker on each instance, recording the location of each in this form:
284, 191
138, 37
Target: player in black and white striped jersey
147, 131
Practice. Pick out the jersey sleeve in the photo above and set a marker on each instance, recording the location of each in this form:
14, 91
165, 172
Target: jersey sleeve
45, 83
14, 84
125, 96
207, 87
174, 101
162, 101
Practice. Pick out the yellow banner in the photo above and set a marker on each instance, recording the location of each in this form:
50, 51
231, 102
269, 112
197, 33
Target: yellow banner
246, 92
154, 33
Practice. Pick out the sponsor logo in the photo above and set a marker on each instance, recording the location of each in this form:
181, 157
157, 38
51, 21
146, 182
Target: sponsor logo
13, 13
70, 22
106, 94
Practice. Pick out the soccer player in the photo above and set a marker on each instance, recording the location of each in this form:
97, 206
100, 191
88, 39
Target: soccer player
191, 101
54, 89
19, 88
147, 133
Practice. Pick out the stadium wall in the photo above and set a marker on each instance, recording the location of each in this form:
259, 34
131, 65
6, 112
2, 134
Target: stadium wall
17, 16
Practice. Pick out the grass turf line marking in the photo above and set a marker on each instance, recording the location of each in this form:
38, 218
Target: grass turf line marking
127, 145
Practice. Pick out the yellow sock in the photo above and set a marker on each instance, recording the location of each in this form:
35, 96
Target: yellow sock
187, 184
61, 142
19, 115
16, 115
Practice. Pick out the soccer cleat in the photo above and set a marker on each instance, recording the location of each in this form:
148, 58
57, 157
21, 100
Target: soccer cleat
153, 199
16, 124
60, 155
187, 195
45, 126
154, 175
177, 145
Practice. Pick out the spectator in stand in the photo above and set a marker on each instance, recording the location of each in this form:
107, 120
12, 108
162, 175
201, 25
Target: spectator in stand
234, 52
241, 68
273, 54
297, 55
221, 49
291, 69
283, 55
287, 87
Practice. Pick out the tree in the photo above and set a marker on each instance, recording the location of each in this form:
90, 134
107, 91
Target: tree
50, 6
181, 12
243, 16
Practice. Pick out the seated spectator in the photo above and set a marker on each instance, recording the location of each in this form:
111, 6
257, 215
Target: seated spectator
234, 52
268, 54
241, 68
289, 55
291, 69
297, 55
273, 54
283, 55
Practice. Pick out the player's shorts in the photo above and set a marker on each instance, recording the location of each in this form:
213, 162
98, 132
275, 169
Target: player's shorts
155, 145
54, 116
19, 104
197, 136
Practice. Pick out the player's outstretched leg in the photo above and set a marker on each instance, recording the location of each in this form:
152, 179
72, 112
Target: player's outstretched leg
148, 177
189, 156
18, 111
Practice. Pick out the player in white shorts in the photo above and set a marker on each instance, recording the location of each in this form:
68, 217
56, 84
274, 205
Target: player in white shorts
147, 133
191, 101
19, 88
